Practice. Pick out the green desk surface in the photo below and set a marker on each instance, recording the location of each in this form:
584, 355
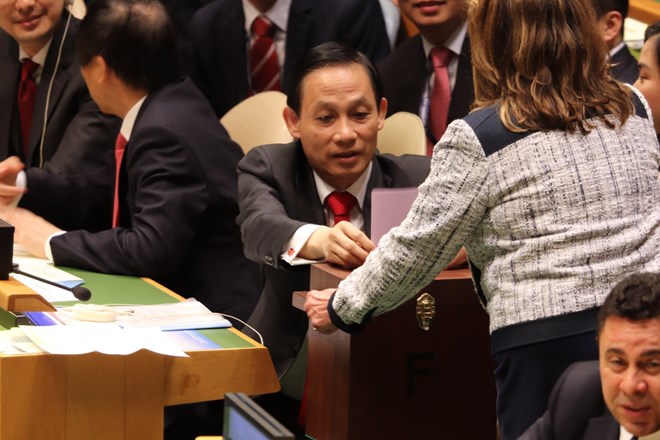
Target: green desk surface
121, 289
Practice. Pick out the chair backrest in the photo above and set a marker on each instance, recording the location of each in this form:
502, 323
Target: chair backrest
257, 120
403, 133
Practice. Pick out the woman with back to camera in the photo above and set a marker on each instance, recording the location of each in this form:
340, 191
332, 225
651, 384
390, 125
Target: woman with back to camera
551, 184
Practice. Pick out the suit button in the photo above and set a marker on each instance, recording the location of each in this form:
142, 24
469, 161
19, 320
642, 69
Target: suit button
269, 260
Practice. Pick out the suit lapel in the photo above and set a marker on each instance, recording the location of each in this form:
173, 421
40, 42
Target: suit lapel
59, 81
299, 28
378, 179
463, 94
9, 80
309, 205
602, 428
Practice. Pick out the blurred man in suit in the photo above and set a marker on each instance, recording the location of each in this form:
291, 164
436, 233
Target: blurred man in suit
409, 75
611, 15
48, 119
287, 191
617, 397
175, 194
227, 35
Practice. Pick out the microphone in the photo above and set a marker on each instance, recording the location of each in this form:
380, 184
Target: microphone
80, 292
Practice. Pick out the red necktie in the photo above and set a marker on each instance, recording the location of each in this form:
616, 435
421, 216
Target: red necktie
440, 94
341, 203
27, 94
120, 147
264, 67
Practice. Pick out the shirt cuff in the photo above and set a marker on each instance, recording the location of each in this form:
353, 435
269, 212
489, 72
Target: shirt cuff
296, 243
21, 182
47, 250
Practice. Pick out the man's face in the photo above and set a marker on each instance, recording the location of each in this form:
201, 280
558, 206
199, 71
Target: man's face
338, 122
30, 22
649, 78
629, 353
425, 13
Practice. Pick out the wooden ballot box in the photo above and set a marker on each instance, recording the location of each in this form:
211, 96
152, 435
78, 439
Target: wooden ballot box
395, 380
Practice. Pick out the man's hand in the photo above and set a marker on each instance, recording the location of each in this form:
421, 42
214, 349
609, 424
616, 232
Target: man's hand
9, 169
31, 231
316, 307
343, 245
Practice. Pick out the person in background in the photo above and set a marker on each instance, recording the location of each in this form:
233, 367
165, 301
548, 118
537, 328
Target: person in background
649, 71
551, 184
48, 121
618, 396
411, 73
611, 16
175, 200
242, 47
291, 195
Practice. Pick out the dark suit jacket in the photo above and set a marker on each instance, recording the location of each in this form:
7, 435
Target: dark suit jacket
277, 195
73, 187
178, 208
404, 74
218, 49
624, 66
576, 409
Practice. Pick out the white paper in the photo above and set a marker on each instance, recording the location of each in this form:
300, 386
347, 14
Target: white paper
108, 339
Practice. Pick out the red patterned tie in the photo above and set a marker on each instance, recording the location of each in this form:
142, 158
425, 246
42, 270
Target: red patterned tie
341, 204
264, 67
120, 147
440, 94
27, 94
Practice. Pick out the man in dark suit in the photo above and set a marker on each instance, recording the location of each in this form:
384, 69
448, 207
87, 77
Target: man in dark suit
334, 112
220, 40
77, 139
611, 15
176, 193
408, 74
617, 397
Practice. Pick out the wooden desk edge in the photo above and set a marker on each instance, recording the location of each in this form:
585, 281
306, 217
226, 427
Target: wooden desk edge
646, 11
298, 297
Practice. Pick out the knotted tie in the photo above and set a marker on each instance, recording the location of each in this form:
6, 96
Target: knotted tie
341, 203
264, 67
120, 147
27, 94
440, 94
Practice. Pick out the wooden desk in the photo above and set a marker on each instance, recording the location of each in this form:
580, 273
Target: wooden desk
647, 11
96, 396
395, 380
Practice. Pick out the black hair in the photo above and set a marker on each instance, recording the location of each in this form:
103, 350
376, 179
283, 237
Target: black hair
653, 31
327, 55
603, 6
636, 297
136, 38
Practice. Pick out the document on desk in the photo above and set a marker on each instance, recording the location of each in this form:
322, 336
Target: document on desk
45, 269
104, 338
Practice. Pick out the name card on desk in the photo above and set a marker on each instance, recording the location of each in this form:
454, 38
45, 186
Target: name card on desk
389, 207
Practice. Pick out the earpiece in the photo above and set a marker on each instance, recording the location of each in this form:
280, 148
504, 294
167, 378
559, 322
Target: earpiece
68, 3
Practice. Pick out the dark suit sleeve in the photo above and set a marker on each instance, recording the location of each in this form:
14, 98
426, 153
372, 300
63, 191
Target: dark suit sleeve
265, 224
73, 190
575, 399
364, 29
169, 200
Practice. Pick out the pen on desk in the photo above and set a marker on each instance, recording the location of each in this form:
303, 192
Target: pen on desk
81, 293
